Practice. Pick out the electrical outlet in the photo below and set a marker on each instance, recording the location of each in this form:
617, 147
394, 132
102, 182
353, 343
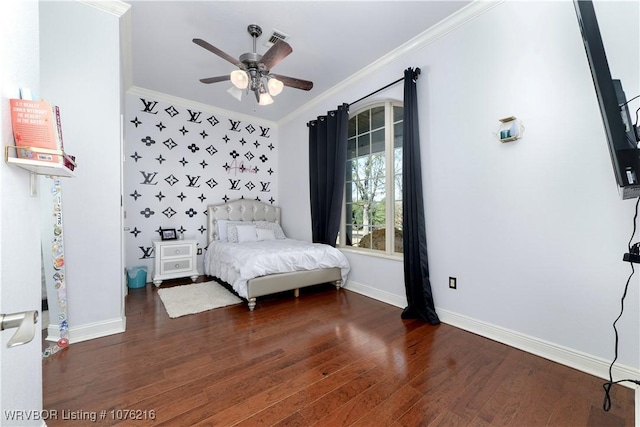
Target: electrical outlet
453, 283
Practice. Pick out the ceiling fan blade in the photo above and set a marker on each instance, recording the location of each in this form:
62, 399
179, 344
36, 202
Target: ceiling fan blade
275, 54
221, 54
216, 79
293, 82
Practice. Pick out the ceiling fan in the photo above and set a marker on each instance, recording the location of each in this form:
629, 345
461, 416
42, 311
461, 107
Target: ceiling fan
254, 70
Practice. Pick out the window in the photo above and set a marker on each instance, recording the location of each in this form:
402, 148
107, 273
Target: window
373, 188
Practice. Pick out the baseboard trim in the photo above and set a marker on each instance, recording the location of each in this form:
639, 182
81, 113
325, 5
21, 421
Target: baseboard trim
377, 294
566, 356
89, 331
556, 353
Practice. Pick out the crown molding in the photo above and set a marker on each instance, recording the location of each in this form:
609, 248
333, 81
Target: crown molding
433, 33
113, 7
159, 96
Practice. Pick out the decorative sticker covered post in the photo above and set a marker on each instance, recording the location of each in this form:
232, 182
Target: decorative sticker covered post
57, 256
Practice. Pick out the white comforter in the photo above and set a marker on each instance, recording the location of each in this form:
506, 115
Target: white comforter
236, 263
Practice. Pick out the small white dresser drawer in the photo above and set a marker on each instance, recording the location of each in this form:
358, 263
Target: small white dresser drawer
175, 266
176, 251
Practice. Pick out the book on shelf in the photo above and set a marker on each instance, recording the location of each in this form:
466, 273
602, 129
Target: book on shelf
37, 131
69, 160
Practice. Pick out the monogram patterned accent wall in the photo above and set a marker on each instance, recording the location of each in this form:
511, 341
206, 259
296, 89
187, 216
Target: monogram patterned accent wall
179, 160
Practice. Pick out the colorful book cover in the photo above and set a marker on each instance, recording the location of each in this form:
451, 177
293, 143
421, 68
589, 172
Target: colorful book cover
56, 111
60, 141
34, 125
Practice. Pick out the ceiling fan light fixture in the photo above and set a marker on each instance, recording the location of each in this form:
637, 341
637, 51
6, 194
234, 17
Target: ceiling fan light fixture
253, 70
235, 92
240, 79
275, 86
265, 99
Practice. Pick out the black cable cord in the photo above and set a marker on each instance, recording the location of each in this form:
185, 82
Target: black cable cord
622, 105
606, 405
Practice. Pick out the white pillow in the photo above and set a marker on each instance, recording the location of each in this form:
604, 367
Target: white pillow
277, 230
246, 233
265, 234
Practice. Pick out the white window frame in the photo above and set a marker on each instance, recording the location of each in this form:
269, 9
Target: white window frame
389, 187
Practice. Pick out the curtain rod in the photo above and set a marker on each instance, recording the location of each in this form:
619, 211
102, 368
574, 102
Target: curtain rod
416, 73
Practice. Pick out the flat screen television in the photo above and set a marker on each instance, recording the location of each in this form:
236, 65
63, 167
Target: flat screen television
622, 135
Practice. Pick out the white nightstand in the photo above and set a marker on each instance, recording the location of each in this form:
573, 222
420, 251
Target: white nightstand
174, 259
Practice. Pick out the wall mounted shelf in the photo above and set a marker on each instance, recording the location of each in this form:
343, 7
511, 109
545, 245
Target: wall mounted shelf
41, 167
510, 129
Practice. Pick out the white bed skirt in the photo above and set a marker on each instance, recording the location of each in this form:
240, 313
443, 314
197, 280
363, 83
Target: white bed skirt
236, 263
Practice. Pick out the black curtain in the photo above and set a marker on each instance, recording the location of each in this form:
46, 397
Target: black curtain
414, 242
327, 168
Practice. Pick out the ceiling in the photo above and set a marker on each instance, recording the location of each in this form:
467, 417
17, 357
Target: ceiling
331, 41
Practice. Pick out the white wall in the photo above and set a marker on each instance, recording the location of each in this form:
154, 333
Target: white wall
20, 289
534, 230
80, 72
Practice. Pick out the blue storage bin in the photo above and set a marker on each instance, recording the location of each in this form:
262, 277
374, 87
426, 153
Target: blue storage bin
137, 277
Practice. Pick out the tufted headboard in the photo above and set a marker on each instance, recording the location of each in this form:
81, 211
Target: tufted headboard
239, 210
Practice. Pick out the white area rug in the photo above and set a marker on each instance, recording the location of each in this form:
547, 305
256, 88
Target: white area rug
195, 298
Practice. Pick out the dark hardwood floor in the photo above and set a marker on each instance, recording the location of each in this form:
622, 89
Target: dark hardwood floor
327, 358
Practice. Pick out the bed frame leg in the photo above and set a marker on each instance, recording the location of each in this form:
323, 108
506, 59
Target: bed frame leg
296, 292
252, 304
337, 283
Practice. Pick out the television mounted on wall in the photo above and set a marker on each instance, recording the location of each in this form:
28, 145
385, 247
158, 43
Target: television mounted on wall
622, 135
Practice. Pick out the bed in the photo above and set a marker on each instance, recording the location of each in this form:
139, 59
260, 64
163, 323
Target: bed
248, 250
